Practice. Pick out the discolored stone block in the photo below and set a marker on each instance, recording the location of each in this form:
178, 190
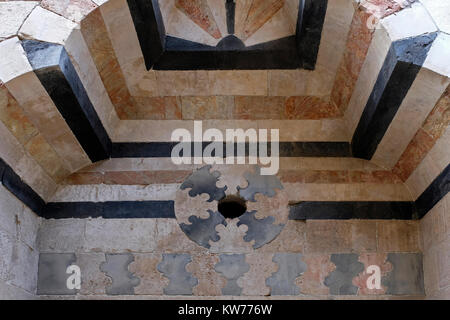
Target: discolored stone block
116, 267
340, 281
173, 266
290, 266
232, 267
52, 274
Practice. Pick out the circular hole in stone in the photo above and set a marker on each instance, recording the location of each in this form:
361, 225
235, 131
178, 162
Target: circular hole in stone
232, 207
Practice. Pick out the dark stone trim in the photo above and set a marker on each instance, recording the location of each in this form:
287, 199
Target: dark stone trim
150, 29
311, 17
341, 210
401, 66
110, 210
11, 181
231, 13
287, 149
305, 210
162, 52
54, 69
437, 190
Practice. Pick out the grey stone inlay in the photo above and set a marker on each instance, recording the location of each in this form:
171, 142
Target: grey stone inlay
340, 280
406, 278
290, 266
258, 183
261, 230
173, 266
232, 267
116, 267
202, 230
52, 276
203, 181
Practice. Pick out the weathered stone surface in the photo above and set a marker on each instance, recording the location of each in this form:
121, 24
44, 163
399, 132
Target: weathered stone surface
200, 12
93, 280
232, 267
340, 281
262, 231
52, 231
52, 274
202, 231
253, 282
257, 183
311, 282
152, 281
210, 282
173, 266
406, 277
203, 181
370, 259
116, 267
290, 266
12, 15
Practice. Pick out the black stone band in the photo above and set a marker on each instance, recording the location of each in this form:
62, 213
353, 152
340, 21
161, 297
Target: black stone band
342, 210
54, 69
401, 66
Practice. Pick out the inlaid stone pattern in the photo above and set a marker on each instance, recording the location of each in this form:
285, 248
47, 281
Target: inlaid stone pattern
255, 274
210, 229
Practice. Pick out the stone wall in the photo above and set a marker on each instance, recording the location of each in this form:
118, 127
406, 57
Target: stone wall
152, 258
18, 250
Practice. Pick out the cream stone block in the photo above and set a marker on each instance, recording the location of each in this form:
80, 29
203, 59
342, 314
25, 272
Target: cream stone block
421, 98
13, 153
409, 22
39, 108
438, 56
120, 235
347, 192
367, 77
321, 82
334, 34
84, 65
12, 15
179, 25
14, 61
307, 130
102, 193
238, 82
279, 26
423, 176
46, 26
440, 13
220, 15
123, 36
184, 83
440, 153
288, 82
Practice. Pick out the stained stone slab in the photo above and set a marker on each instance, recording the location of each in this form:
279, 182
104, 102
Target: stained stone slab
173, 267
406, 278
203, 181
340, 280
261, 230
52, 276
116, 267
232, 267
203, 230
258, 183
290, 266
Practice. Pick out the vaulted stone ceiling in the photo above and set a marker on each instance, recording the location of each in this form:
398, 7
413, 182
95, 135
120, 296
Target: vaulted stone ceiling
117, 104
91, 90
